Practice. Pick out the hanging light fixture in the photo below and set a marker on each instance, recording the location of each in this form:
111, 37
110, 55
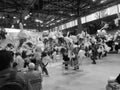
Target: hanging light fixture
24, 24
93, 0
14, 17
12, 26
103, 1
3, 17
18, 21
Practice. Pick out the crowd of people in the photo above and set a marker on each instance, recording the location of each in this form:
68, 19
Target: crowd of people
32, 60
72, 48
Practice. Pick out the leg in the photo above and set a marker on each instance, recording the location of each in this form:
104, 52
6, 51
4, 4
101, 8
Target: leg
66, 66
45, 70
93, 59
99, 55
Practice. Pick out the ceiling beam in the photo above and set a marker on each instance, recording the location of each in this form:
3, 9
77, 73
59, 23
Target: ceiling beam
98, 8
4, 4
62, 6
49, 12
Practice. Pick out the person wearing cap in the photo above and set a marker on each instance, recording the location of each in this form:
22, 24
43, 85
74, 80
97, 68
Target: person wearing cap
34, 77
7, 73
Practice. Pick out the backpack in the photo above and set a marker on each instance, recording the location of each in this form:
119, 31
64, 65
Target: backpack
11, 84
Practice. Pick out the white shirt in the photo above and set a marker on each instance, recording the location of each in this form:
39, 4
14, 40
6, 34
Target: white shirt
20, 62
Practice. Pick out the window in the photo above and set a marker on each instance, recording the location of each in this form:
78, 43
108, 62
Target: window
76, 23
83, 20
119, 7
65, 25
113, 10
68, 24
97, 15
71, 24
103, 13
90, 17
93, 16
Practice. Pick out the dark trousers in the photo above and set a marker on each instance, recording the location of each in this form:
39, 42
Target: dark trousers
66, 64
76, 66
93, 58
44, 69
99, 55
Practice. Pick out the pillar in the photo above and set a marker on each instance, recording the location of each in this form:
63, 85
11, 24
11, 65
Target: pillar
79, 18
79, 25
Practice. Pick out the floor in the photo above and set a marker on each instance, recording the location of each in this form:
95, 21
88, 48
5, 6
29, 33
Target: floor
89, 77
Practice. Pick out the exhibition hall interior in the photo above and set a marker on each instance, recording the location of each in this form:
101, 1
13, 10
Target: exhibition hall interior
59, 44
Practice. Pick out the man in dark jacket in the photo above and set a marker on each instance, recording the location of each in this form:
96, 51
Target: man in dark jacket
94, 53
8, 74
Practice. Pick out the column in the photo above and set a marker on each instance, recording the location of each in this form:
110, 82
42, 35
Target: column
79, 18
79, 25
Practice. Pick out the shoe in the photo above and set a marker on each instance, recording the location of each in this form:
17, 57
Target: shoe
93, 62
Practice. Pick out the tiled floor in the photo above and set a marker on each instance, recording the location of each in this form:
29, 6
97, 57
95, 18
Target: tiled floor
90, 77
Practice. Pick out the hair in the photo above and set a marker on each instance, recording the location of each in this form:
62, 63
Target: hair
18, 53
6, 57
29, 44
44, 54
9, 45
14, 64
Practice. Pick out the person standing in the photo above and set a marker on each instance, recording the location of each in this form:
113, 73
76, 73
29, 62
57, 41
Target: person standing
93, 53
9, 75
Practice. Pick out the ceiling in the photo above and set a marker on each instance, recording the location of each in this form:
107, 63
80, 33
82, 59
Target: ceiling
46, 14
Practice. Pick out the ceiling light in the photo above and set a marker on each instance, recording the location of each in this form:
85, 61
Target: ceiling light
58, 20
72, 14
41, 21
3, 17
36, 20
102, 1
12, 26
52, 24
52, 19
26, 17
24, 24
48, 22
93, 0
14, 17
60, 11
18, 21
